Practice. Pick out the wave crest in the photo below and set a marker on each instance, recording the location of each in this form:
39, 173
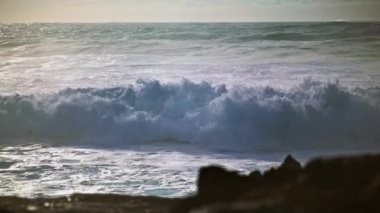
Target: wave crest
310, 115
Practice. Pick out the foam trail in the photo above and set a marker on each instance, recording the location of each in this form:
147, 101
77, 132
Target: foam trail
308, 116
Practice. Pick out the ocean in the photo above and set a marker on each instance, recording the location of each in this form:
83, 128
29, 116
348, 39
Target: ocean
137, 109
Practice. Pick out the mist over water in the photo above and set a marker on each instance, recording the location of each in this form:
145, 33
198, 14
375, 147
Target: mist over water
124, 108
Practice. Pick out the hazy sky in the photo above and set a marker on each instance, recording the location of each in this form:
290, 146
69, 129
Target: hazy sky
187, 10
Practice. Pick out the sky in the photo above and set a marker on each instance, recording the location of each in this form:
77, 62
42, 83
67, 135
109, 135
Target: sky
188, 10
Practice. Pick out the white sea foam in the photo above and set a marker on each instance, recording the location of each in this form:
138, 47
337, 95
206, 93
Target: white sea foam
312, 115
35, 170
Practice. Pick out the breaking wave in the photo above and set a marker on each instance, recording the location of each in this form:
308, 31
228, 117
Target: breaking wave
310, 115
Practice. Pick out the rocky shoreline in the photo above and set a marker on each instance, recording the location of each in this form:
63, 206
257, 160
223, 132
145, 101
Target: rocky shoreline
341, 184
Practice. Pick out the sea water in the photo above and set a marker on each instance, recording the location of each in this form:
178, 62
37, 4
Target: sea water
137, 108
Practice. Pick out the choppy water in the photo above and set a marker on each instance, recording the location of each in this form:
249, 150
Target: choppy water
35, 170
126, 108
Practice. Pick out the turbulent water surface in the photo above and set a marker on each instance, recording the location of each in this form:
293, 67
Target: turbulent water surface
137, 108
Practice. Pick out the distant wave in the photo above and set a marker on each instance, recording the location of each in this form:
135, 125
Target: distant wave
226, 32
310, 115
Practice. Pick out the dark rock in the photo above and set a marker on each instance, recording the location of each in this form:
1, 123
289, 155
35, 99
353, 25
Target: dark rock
346, 184
290, 164
216, 183
255, 175
287, 171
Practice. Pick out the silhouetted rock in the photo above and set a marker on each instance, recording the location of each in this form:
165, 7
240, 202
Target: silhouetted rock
255, 175
287, 171
346, 184
290, 164
217, 183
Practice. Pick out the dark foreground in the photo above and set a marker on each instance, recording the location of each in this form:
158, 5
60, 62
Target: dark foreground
345, 184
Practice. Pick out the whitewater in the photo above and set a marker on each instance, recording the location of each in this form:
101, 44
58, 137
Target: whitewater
137, 108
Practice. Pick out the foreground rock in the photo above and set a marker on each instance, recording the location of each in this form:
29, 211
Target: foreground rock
346, 184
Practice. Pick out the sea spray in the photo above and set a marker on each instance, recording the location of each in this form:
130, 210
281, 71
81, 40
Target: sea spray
310, 115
